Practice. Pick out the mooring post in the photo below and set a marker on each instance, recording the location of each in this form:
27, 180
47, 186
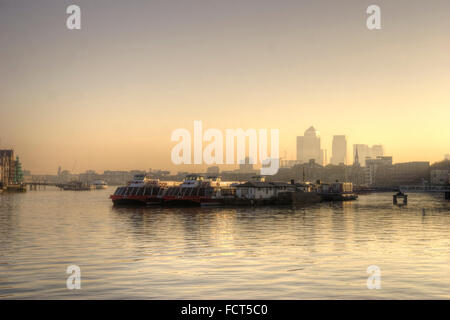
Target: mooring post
394, 199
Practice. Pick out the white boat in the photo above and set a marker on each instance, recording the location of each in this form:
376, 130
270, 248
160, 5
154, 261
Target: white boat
100, 184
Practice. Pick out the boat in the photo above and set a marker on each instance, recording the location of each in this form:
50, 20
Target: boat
195, 190
337, 191
100, 184
16, 188
76, 186
142, 190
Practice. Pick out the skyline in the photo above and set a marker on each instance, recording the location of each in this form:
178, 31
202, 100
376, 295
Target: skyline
195, 167
365, 152
108, 96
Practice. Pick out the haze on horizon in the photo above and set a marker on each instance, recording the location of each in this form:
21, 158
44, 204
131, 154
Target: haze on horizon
107, 97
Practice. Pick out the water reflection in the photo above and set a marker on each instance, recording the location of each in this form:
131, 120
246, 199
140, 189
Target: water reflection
317, 251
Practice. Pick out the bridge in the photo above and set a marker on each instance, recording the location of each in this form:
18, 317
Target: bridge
426, 189
40, 184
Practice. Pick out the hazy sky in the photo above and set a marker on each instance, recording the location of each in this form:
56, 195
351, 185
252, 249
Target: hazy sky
107, 97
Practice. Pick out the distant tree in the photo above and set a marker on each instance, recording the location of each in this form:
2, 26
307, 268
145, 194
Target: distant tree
18, 174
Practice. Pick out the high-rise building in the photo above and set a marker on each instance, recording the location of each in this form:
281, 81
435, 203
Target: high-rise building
376, 151
447, 156
308, 147
378, 169
365, 152
339, 150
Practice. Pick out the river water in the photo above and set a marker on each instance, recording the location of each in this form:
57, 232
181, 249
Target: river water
314, 252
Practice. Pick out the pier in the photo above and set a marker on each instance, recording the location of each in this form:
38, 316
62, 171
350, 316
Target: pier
426, 189
40, 185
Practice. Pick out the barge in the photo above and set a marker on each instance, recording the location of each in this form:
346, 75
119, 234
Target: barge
337, 191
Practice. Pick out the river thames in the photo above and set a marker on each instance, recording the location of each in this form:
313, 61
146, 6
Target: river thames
321, 251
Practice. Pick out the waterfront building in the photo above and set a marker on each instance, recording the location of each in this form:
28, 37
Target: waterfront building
411, 173
308, 147
117, 177
447, 156
379, 171
89, 176
7, 167
339, 150
440, 177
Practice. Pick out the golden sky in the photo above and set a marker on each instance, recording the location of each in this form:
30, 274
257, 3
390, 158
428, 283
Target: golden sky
108, 96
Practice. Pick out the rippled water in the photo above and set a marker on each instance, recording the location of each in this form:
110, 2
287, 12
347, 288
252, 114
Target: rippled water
319, 251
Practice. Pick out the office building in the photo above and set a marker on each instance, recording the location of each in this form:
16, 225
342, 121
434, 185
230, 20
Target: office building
339, 150
308, 147
365, 152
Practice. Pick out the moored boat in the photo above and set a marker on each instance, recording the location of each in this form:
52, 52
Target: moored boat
76, 186
100, 184
140, 191
20, 187
198, 191
337, 191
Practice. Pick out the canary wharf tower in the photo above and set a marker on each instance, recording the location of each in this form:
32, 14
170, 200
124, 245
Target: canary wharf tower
308, 147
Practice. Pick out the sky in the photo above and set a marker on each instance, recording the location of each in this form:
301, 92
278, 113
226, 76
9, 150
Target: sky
108, 96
